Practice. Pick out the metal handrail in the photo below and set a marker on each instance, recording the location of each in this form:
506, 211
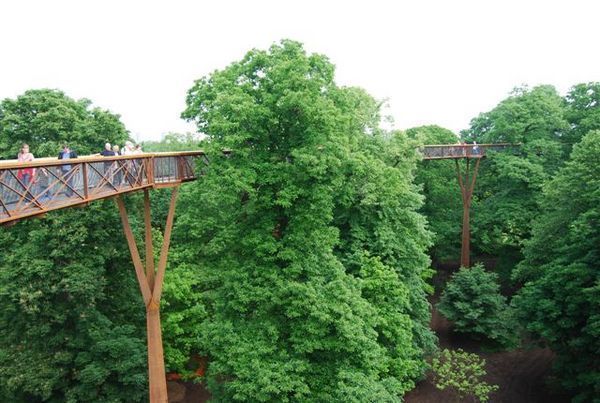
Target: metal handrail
443, 151
46, 184
50, 161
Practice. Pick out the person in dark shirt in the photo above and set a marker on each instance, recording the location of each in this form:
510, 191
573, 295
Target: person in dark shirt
107, 152
109, 167
66, 154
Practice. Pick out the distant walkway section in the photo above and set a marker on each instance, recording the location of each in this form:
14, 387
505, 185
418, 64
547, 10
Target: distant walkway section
453, 151
34, 188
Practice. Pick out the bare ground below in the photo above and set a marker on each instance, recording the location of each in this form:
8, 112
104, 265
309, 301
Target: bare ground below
522, 375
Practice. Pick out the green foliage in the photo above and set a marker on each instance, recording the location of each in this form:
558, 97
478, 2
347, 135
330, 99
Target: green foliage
45, 119
173, 142
70, 331
582, 110
526, 115
560, 301
71, 316
304, 244
506, 198
472, 301
464, 373
183, 311
443, 205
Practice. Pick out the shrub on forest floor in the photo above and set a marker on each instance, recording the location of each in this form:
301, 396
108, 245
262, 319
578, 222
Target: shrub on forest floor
472, 301
462, 372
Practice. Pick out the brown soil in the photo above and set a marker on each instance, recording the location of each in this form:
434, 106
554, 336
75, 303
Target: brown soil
187, 392
524, 376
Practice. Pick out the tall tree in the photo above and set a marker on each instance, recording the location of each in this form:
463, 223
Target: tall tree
582, 110
560, 302
443, 206
301, 303
45, 119
507, 194
71, 318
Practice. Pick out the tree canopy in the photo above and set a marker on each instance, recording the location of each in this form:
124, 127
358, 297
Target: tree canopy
309, 255
300, 261
71, 317
443, 206
560, 301
46, 119
506, 198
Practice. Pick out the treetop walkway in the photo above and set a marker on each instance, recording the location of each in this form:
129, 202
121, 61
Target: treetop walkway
466, 179
34, 188
46, 184
453, 151
29, 189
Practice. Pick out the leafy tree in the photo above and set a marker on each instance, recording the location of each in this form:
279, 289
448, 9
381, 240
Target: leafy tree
582, 111
506, 199
560, 302
472, 301
300, 304
45, 119
463, 372
71, 316
174, 142
376, 215
443, 206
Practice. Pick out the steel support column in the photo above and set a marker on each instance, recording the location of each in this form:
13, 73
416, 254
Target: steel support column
467, 184
151, 288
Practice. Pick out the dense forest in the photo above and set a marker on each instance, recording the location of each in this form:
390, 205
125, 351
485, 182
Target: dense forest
302, 262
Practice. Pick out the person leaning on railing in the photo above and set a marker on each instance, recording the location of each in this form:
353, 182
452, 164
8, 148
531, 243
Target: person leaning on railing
25, 175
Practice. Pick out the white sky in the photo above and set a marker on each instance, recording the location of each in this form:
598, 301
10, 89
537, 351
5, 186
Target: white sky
438, 62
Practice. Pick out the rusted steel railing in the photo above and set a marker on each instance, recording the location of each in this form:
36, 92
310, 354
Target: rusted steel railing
444, 151
34, 188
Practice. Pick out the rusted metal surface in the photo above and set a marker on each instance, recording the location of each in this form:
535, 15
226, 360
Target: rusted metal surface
34, 188
455, 151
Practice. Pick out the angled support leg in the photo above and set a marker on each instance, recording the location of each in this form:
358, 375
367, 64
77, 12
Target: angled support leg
467, 184
151, 289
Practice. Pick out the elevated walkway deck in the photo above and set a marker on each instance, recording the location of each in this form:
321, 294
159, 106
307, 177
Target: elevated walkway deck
454, 151
46, 184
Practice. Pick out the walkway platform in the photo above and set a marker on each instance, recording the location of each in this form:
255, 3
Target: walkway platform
454, 151
59, 184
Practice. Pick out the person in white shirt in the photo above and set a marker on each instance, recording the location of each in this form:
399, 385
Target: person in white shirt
128, 149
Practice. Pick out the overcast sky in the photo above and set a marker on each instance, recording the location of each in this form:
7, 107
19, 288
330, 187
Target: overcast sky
438, 62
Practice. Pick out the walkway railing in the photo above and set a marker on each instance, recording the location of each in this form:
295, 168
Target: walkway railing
443, 151
34, 188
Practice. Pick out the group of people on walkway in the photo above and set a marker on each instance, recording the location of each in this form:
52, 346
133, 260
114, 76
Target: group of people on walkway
113, 170
41, 176
464, 149
128, 149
